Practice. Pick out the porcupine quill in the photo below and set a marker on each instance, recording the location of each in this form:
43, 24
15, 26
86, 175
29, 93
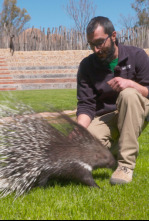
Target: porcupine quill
33, 151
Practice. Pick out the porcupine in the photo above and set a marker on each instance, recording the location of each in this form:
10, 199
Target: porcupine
33, 151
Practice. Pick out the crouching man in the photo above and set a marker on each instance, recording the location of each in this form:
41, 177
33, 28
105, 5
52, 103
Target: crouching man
113, 92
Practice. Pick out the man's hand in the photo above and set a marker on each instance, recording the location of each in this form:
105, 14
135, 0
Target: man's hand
119, 84
83, 120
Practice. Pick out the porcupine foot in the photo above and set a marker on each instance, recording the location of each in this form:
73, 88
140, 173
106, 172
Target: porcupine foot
88, 180
81, 173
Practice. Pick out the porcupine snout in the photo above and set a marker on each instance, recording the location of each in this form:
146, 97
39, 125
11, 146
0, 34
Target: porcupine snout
103, 158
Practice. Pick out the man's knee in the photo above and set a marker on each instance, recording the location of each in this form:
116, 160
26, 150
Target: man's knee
129, 95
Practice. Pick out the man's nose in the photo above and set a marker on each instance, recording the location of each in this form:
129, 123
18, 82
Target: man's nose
97, 50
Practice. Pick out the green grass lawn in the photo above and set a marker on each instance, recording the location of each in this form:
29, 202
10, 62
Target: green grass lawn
43, 100
70, 201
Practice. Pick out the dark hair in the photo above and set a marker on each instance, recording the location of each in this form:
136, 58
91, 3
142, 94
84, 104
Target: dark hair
100, 21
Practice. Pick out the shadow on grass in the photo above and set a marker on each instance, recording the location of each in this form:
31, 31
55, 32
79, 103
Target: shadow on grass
64, 183
67, 182
101, 176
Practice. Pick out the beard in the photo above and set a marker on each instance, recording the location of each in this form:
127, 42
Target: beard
106, 55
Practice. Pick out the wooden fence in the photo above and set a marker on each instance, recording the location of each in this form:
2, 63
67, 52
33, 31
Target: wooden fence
138, 37
63, 39
54, 39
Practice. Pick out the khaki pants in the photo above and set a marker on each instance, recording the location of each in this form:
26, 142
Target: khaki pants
120, 130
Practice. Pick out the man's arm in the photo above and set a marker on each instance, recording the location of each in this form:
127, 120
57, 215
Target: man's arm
86, 107
141, 82
84, 120
119, 84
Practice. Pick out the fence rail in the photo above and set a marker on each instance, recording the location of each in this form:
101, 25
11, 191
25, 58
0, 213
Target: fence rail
63, 39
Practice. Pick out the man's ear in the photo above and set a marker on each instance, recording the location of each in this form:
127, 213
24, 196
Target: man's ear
113, 37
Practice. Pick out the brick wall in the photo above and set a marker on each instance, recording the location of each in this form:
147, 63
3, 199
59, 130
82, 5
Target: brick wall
39, 69
34, 70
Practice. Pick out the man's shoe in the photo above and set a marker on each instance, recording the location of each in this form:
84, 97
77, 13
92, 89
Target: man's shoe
122, 175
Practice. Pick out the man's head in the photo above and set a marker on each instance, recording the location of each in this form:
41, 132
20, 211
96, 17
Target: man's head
101, 37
